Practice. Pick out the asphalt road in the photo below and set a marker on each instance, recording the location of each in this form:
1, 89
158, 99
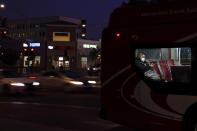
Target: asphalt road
54, 111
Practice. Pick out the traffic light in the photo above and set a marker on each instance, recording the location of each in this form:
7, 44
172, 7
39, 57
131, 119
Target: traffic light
118, 35
25, 52
4, 33
32, 50
31, 54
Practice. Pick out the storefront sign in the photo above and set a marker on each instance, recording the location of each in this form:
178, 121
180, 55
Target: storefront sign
34, 44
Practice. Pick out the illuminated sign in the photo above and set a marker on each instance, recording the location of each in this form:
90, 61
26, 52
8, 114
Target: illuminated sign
61, 36
34, 44
89, 46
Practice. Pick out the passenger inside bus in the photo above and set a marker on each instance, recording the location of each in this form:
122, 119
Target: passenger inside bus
165, 64
146, 68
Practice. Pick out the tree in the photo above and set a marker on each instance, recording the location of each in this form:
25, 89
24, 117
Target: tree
94, 54
9, 57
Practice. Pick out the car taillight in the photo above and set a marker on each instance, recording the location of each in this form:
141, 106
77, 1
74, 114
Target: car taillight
32, 77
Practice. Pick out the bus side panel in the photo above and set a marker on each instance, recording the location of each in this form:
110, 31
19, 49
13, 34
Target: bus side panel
119, 80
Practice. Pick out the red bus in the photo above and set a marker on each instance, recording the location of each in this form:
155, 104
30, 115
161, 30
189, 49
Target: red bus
148, 67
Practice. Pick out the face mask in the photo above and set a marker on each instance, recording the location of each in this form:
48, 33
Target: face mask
143, 59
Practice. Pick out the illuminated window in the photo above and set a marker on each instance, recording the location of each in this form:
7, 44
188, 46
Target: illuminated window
84, 61
37, 61
25, 61
61, 58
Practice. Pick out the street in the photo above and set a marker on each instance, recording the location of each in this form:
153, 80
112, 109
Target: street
54, 111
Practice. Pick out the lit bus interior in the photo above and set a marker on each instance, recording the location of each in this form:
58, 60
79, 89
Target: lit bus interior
165, 64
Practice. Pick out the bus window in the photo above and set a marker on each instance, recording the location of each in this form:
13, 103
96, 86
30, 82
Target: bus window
164, 64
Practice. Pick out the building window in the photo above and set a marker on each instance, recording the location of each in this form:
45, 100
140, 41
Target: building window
25, 61
84, 62
37, 61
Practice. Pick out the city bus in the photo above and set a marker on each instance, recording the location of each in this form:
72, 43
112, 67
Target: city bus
161, 93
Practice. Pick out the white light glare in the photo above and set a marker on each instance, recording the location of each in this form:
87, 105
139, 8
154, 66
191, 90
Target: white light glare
25, 45
36, 83
17, 84
76, 82
92, 82
50, 47
2, 5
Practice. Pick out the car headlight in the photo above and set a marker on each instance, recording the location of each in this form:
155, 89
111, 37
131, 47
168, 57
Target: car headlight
36, 83
92, 82
17, 84
76, 82
94, 69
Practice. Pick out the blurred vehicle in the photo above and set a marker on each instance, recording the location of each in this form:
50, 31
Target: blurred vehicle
64, 81
12, 82
94, 70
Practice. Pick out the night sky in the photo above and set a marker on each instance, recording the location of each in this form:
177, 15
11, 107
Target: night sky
96, 12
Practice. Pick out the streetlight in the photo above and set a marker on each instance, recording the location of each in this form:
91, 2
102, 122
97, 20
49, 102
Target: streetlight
2, 5
50, 47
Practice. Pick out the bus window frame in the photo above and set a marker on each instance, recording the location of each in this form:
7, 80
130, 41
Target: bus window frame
167, 87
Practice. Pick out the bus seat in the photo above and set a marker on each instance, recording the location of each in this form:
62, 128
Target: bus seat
156, 68
166, 73
171, 62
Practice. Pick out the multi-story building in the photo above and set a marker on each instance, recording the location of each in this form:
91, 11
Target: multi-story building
85, 59
49, 41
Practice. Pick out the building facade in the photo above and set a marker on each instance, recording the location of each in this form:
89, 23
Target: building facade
48, 42
85, 47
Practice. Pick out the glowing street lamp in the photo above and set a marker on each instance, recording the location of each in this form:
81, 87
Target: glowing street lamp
50, 47
2, 5
83, 35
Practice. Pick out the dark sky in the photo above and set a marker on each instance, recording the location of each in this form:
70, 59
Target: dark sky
96, 12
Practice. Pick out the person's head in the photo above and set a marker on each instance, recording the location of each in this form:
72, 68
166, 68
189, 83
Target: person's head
142, 57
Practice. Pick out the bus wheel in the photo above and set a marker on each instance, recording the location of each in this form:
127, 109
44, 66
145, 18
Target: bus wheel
190, 120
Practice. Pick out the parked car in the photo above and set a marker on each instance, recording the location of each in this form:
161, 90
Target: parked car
12, 82
64, 81
94, 70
